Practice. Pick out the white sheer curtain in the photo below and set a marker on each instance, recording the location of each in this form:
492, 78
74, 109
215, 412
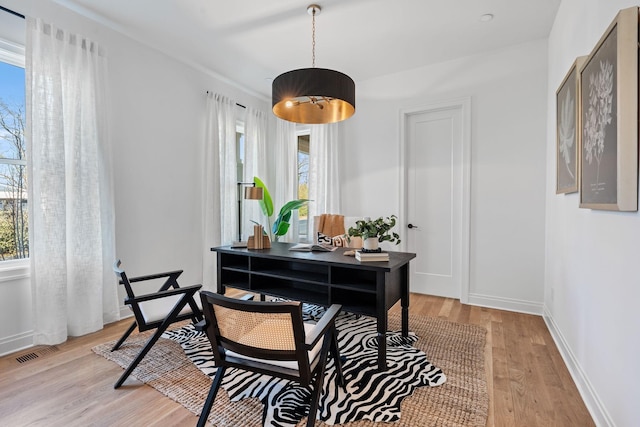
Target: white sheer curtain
286, 171
255, 164
324, 167
220, 178
71, 222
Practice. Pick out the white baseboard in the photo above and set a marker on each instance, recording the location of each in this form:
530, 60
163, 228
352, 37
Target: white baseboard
436, 291
509, 304
125, 312
16, 343
593, 403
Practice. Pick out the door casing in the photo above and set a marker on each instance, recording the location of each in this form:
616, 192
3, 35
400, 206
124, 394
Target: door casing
463, 246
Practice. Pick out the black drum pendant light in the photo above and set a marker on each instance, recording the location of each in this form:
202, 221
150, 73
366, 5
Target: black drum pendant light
313, 95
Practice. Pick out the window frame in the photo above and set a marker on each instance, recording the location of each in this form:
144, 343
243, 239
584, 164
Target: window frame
14, 54
240, 148
306, 237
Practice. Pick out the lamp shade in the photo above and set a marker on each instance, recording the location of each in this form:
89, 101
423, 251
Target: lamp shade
313, 96
253, 193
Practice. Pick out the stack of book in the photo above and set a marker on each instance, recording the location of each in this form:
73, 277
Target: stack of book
372, 256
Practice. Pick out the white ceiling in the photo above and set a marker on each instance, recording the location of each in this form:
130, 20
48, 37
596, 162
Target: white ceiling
250, 42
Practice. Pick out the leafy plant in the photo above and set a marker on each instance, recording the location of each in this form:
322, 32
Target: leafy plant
281, 224
380, 228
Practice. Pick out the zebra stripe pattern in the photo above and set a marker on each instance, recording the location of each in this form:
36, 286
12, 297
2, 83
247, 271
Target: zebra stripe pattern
369, 394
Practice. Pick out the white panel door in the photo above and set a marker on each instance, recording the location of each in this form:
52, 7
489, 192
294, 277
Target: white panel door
434, 200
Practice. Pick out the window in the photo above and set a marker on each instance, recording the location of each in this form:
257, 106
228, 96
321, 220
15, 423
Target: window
303, 185
14, 229
240, 151
300, 217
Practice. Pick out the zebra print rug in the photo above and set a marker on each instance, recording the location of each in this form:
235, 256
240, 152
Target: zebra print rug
370, 395
457, 348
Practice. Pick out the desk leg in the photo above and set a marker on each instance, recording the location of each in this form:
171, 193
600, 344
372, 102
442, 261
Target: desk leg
381, 315
404, 300
405, 321
382, 350
221, 289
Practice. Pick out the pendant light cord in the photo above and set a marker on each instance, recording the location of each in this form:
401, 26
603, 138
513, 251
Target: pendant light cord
313, 38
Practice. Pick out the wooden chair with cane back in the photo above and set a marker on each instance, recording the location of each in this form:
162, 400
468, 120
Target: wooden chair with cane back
269, 338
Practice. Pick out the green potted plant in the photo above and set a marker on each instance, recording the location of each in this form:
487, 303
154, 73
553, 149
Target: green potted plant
375, 231
281, 224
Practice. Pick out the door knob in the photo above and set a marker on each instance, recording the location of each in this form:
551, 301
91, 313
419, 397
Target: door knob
412, 226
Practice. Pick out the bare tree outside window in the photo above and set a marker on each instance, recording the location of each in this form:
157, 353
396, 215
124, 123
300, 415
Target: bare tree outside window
303, 174
303, 185
14, 228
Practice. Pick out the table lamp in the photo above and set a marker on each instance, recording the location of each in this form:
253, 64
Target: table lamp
251, 192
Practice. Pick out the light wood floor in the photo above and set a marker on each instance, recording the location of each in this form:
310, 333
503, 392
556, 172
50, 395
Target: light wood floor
528, 382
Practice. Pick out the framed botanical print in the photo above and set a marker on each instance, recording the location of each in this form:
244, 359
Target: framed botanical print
609, 118
567, 118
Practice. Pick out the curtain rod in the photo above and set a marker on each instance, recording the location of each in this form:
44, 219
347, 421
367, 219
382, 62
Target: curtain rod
239, 105
12, 12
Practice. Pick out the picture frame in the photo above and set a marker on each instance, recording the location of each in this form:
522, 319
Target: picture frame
609, 118
567, 130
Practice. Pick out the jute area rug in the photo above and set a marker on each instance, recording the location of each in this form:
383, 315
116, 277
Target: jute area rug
455, 348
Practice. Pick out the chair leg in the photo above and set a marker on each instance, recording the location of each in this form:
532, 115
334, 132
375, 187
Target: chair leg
211, 397
159, 331
139, 357
317, 387
125, 336
335, 353
197, 313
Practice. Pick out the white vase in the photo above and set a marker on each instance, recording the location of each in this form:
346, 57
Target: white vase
370, 243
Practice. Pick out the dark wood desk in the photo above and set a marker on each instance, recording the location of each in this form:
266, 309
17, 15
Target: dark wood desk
324, 278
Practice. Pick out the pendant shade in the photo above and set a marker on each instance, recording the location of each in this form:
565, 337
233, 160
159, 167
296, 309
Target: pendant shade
313, 95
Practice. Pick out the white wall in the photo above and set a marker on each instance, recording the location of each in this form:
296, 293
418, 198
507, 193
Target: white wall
157, 131
507, 90
15, 307
591, 281
592, 275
